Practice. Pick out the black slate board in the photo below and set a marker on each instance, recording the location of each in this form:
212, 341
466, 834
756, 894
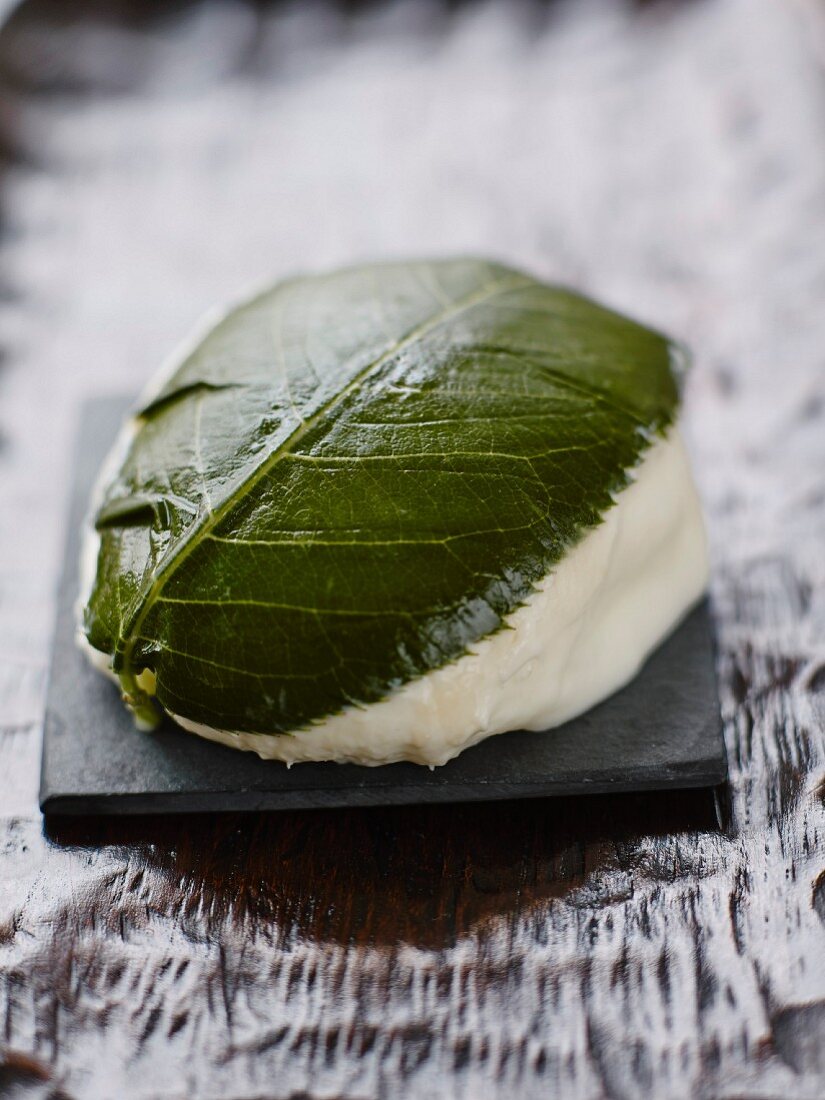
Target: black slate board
661, 731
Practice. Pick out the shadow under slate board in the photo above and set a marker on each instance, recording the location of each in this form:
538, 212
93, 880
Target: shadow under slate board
662, 731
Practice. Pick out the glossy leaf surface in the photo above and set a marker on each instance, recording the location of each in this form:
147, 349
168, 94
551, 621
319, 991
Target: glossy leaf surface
354, 477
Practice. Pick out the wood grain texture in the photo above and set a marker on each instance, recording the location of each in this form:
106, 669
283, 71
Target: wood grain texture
665, 157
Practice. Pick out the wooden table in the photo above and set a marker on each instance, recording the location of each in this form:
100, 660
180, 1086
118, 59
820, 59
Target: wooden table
666, 157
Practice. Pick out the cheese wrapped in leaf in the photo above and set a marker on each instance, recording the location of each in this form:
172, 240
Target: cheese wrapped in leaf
331, 528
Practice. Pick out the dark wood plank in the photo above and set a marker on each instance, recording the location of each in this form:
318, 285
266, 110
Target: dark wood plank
665, 157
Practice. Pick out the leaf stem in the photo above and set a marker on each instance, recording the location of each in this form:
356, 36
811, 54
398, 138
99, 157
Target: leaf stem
140, 702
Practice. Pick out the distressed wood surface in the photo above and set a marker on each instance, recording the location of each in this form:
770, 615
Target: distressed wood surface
666, 157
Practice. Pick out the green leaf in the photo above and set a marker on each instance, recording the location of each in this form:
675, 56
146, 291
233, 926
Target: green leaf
354, 477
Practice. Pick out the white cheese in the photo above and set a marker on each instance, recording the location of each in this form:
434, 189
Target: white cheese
585, 633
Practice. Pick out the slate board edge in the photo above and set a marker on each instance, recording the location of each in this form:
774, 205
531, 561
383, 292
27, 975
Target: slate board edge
706, 773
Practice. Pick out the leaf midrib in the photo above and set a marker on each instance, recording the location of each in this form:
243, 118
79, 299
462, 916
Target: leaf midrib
177, 554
